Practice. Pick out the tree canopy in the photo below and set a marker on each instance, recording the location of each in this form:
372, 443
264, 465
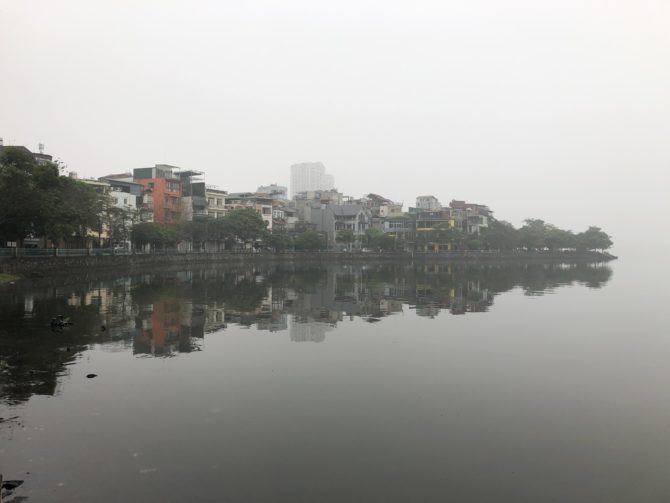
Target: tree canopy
536, 234
37, 200
308, 241
239, 226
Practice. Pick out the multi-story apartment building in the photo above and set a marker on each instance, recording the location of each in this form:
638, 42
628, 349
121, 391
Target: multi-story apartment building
429, 203
427, 220
124, 192
163, 185
283, 215
193, 198
40, 158
332, 218
306, 200
469, 217
310, 176
402, 226
276, 192
125, 195
216, 202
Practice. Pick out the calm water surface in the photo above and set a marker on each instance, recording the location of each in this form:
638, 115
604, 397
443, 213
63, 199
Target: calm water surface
393, 383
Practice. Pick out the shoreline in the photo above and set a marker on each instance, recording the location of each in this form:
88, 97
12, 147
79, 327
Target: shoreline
38, 267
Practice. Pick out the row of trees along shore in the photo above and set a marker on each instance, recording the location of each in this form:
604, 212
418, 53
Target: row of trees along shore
246, 226
500, 235
38, 200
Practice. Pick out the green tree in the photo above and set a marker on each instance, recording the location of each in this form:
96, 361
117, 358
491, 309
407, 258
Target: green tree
19, 200
308, 241
199, 230
594, 238
145, 233
69, 208
35, 199
377, 239
385, 242
445, 234
532, 234
556, 239
160, 236
243, 225
500, 235
280, 241
346, 236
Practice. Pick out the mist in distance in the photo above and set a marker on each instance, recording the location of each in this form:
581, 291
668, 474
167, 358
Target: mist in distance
557, 111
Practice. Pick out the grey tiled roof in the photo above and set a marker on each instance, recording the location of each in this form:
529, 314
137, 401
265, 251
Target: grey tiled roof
345, 210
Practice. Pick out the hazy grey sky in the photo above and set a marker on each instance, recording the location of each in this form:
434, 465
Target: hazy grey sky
551, 109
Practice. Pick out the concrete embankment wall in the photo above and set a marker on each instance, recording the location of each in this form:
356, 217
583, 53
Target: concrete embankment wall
27, 266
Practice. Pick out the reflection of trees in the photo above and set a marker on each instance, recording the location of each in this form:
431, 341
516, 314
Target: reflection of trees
167, 313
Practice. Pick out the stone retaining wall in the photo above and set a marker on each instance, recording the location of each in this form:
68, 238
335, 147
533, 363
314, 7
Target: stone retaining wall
27, 266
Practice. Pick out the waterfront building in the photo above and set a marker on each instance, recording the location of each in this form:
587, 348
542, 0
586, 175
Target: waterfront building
306, 200
430, 203
469, 217
402, 227
283, 215
193, 197
163, 185
276, 192
428, 220
332, 218
216, 202
124, 192
124, 195
40, 157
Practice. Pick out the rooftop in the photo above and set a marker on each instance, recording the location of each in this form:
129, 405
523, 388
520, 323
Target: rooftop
345, 210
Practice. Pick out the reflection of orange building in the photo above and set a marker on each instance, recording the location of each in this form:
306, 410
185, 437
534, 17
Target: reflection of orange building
168, 326
165, 321
163, 328
165, 187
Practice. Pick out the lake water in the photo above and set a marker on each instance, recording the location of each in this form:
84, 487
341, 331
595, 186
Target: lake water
368, 383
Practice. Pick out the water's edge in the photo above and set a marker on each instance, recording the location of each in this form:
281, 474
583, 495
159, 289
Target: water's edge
55, 266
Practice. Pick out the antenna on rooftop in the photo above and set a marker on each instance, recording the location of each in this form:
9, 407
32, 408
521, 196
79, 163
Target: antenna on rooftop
41, 147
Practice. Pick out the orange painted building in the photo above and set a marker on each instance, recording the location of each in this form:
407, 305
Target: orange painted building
165, 187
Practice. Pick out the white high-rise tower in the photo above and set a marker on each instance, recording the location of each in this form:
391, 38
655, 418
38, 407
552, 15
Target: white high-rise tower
310, 176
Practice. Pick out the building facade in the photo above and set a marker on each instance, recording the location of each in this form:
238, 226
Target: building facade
162, 185
216, 202
310, 176
428, 203
332, 218
276, 192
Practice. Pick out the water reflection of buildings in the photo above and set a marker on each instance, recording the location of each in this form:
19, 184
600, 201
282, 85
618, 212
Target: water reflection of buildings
304, 331
168, 313
169, 326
